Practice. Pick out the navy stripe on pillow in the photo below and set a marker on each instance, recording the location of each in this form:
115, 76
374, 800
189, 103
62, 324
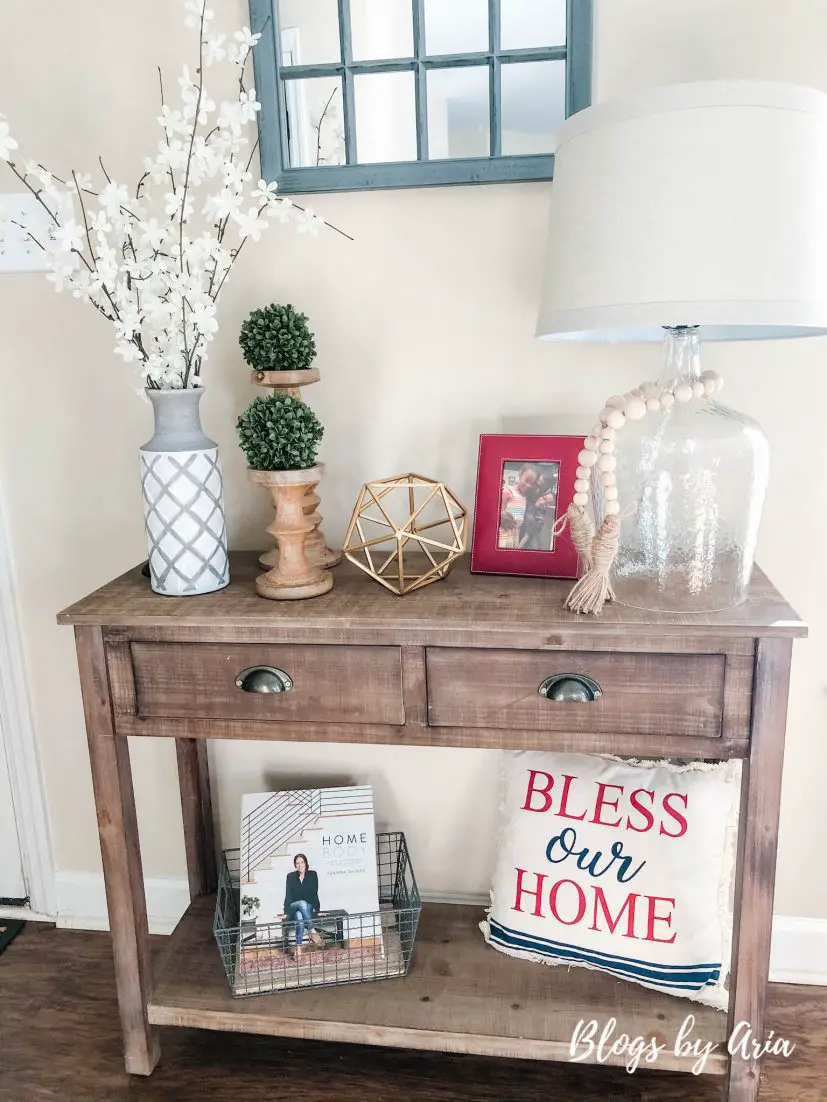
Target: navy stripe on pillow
603, 952
684, 976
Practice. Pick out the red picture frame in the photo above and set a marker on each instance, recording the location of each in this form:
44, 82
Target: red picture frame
524, 485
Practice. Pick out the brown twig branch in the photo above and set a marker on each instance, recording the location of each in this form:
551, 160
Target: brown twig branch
318, 127
187, 361
85, 219
166, 136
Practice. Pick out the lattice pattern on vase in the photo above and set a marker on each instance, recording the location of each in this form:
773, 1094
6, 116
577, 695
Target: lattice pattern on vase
406, 532
185, 524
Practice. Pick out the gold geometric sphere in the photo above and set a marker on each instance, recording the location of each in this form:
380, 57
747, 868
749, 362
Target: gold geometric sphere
406, 532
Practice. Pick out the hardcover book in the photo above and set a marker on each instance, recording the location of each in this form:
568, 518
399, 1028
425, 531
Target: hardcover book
309, 894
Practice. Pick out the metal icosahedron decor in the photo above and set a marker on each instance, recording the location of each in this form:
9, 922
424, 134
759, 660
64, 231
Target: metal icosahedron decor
406, 532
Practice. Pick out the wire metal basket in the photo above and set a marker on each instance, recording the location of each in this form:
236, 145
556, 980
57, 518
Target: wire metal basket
261, 957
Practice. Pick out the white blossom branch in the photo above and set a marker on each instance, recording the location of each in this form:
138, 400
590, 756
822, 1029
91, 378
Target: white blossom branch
137, 260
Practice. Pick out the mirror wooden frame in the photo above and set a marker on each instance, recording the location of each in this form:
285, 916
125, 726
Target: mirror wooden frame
272, 80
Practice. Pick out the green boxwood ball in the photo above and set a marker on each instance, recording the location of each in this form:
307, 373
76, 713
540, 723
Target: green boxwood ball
279, 433
277, 338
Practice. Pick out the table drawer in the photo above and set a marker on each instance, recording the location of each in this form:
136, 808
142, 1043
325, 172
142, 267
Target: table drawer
329, 684
640, 694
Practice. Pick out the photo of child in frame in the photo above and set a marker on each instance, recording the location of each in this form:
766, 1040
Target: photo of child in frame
528, 502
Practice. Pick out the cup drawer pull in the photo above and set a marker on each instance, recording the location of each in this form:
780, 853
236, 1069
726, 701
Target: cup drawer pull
264, 679
570, 686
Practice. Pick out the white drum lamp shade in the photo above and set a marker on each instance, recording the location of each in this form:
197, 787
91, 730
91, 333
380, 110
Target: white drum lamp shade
693, 204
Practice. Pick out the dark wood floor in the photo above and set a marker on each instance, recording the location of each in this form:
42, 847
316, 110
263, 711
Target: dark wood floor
60, 1039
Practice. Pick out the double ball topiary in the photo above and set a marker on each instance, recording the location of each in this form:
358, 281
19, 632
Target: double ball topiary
279, 433
277, 338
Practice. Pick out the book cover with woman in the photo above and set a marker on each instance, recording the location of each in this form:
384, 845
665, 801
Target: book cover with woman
301, 901
308, 876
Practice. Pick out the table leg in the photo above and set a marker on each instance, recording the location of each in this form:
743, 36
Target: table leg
120, 850
196, 807
757, 842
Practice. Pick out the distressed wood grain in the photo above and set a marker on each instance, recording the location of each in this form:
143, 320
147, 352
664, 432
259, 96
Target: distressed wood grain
460, 996
329, 684
414, 734
474, 607
456, 664
757, 849
121, 854
196, 811
641, 694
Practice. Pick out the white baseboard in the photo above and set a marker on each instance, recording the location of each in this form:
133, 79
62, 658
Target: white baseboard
81, 901
465, 899
799, 950
799, 945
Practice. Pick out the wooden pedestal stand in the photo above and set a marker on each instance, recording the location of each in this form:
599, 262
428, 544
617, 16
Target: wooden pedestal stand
290, 382
295, 576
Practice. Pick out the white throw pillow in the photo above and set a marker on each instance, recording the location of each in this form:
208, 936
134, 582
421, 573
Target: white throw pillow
622, 866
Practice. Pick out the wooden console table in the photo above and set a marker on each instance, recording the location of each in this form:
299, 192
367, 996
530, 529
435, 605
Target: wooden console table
455, 664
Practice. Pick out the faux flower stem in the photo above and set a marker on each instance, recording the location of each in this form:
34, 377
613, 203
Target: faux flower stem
139, 260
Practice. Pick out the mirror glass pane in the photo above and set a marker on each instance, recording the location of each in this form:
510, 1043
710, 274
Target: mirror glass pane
456, 26
381, 29
315, 124
458, 112
527, 23
309, 31
533, 105
385, 117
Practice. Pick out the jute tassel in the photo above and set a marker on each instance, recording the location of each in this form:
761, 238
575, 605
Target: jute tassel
594, 588
582, 533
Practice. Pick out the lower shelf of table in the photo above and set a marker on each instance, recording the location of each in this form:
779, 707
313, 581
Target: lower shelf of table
460, 996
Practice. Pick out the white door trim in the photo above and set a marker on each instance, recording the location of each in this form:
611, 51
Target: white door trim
18, 734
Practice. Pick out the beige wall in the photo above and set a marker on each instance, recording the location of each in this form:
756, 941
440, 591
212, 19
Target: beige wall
424, 328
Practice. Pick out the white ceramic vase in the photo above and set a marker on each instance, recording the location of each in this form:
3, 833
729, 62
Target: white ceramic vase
183, 493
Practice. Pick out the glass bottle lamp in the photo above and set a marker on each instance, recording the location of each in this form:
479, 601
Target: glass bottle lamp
692, 479
740, 167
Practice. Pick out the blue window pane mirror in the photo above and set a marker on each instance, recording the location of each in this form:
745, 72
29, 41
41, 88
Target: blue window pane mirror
405, 93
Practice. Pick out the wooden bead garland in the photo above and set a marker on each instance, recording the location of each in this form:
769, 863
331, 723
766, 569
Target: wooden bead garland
597, 550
